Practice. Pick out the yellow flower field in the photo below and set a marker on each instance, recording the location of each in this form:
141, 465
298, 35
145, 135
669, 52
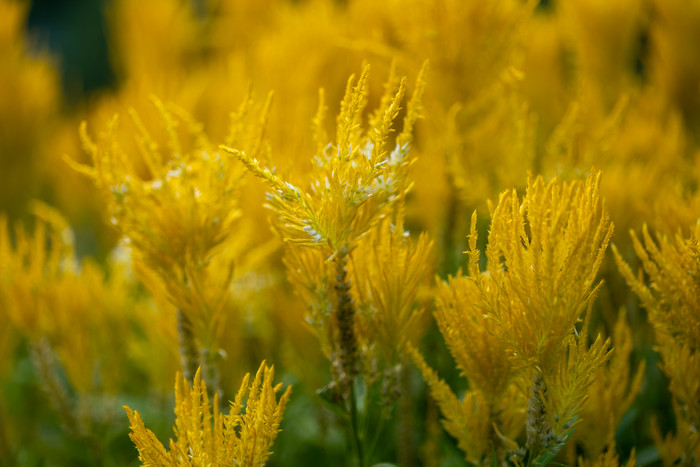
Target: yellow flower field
350, 232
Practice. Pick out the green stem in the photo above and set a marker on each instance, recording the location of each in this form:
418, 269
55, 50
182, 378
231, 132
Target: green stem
405, 420
354, 423
188, 347
52, 385
538, 430
345, 315
210, 373
349, 362
377, 433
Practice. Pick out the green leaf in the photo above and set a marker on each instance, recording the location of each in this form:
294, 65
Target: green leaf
546, 457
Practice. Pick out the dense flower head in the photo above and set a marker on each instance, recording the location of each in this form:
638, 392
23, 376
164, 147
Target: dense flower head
672, 264
355, 179
356, 183
183, 207
205, 436
512, 328
176, 204
48, 295
478, 352
671, 298
543, 255
612, 392
390, 270
29, 265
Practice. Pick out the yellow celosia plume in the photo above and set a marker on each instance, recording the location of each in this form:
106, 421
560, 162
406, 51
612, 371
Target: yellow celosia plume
543, 256
671, 298
354, 184
516, 325
205, 436
355, 180
177, 206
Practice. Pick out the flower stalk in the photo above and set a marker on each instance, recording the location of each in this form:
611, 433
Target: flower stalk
539, 432
345, 315
189, 353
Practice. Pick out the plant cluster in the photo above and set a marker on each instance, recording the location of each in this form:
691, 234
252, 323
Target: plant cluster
490, 255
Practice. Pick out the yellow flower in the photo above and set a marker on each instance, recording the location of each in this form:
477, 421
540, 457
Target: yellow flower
205, 436
485, 426
543, 256
74, 318
671, 298
30, 102
612, 392
388, 269
608, 459
354, 184
517, 322
182, 209
355, 180
672, 265
478, 352
180, 217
